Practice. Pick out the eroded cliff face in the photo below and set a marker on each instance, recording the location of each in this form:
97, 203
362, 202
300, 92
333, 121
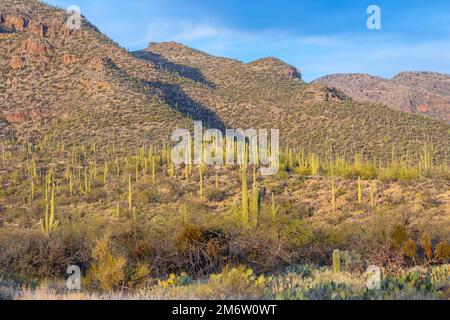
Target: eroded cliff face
415, 92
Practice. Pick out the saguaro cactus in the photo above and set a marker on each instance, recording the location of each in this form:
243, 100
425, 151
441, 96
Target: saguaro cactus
273, 209
333, 194
245, 209
200, 173
359, 191
49, 224
336, 261
153, 168
130, 194
372, 195
105, 173
256, 200
32, 188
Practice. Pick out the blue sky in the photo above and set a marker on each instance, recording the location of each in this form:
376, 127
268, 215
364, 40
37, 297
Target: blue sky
317, 36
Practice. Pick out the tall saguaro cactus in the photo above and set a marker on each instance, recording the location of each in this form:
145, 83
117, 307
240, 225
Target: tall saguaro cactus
245, 208
130, 194
256, 200
336, 261
49, 224
359, 191
200, 173
333, 194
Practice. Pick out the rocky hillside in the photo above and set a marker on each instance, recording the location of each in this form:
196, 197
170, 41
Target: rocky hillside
425, 93
76, 81
79, 86
269, 93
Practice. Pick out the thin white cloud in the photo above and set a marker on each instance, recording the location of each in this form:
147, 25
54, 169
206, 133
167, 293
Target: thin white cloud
380, 54
188, 31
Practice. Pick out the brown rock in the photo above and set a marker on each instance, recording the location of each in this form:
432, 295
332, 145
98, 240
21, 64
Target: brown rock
415, 92
95, 85
56, 29
15, 22
15, 117
38, 47
16, 62
98, 64
69, 59
39, 29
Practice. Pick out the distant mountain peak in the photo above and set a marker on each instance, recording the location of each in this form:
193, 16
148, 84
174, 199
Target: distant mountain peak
277, 65
82, 87
419, 92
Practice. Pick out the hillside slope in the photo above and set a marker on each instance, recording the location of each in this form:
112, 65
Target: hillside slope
79, 86
425, 93
268, 93
76, 80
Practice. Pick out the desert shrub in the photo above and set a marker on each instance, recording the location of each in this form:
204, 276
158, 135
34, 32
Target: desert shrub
199, 251
409, 249
95, 195
295, 209
132, 242
213, 194
149, 196
139, 276
236, 283
352, 262
8, 290
197, 211
442, 251
296, 232
398, 236
176, 190
24, 256
107, 272
392, 261
303, 171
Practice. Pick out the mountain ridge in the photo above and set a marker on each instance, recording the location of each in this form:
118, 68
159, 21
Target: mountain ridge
80, 86
423, 92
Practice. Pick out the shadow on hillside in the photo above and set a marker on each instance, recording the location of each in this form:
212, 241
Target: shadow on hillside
176, 98
180, 101
179, 69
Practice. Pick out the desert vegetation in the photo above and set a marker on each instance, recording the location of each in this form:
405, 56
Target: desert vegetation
138, 225
87, 179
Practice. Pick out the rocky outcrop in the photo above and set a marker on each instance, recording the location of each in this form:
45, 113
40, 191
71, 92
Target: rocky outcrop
433, 82
27, 115
38, 47
14, 23
36, 50
276, 66
50, 28
16, 62
39, 29
15, 117
69, 59
415, 92
98, 64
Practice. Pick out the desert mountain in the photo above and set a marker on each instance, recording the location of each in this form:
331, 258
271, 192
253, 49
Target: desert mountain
425, 93
80, 86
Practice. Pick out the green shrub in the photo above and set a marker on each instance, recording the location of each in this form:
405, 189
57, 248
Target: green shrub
213, 194
107, 272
